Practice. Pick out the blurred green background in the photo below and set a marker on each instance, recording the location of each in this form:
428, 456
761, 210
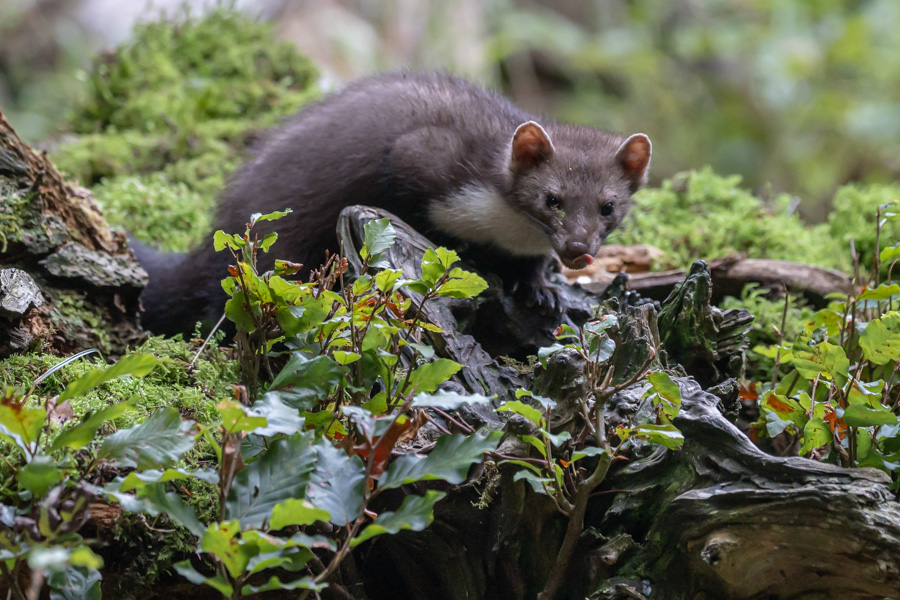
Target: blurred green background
795, 96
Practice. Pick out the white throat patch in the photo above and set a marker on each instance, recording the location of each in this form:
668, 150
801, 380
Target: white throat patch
476, 214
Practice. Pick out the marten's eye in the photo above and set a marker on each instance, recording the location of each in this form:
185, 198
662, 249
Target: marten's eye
607, 209
552, 202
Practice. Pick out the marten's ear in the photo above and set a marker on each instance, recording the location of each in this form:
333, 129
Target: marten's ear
531, 146
634, 158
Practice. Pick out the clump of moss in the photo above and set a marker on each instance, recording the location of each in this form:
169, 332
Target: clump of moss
855, 216
703, 215
169, 114
193, 389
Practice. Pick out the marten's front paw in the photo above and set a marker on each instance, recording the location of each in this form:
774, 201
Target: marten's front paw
543, 296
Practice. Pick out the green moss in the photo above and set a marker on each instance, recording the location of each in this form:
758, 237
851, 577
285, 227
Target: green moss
855, 214
140, 200
704, 215
169, 115
11, 207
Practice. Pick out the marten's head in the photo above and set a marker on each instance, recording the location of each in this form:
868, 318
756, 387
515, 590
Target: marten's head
577, 187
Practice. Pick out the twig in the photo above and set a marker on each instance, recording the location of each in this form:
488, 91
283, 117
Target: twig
206, 341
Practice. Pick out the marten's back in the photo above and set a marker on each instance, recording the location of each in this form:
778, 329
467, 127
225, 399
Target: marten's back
381, 141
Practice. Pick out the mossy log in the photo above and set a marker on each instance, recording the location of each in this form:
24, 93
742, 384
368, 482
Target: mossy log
718, 518
67, 281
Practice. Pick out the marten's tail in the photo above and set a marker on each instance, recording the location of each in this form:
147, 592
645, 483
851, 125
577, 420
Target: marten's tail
179, 292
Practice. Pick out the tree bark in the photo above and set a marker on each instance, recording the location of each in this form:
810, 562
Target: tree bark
67, 281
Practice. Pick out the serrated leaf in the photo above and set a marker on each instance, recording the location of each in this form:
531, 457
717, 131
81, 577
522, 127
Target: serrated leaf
274, 583
136, 365
386, 279
153, 500
295, 511
432, 270
379, 236
222, 240
337, 484
155, 443
237, 314
282, 472
449, 460
446, 400
428, 377
415, 514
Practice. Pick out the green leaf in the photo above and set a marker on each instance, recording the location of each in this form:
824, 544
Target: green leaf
882, 292
526, 410
155, 443
76, 583
137, 365
338, 484
274, 584
428, 377
311, 378
825, 358
280, 418
664, 435
345, 358
219, 539
185, 569
379, 236
82, 434
153, 500
462, 284
538, 484
21, 423
815, 434
880, 340
665, 387
295, 511
889, 253
282, 472
235, 418
449, 460
267, 241
139, 479
415, 514
859, 415
39, 475
237, 314
222, 240
387, 279
445, 400
272, 216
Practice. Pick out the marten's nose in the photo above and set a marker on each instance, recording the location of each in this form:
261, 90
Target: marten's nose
573, 250
575, 255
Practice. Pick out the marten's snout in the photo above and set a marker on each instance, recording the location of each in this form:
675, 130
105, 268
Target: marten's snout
575, 255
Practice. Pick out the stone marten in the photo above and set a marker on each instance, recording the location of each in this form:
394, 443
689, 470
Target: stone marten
460, 164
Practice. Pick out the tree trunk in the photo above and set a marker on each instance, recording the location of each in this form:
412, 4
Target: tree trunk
67, 281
